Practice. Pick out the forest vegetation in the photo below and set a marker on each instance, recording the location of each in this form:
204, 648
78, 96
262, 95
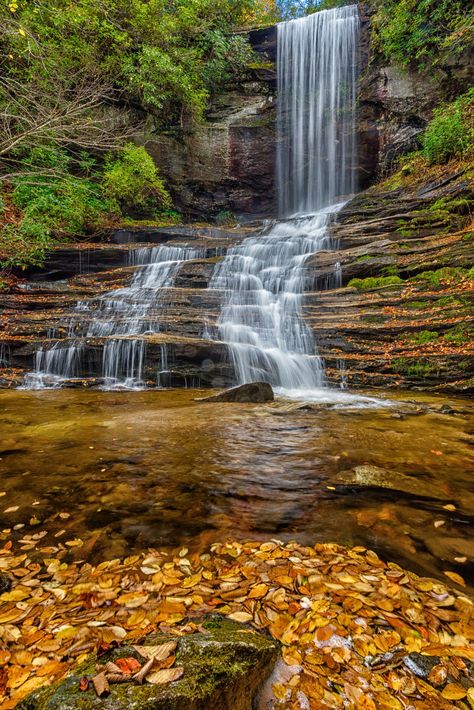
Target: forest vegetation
80, 81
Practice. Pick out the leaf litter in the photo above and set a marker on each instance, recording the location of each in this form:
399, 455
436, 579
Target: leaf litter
346, 621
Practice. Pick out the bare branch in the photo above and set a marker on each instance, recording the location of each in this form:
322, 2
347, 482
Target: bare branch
79, 114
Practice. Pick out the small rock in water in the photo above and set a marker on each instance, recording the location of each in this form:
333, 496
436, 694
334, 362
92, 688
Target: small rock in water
251, 392
420, 665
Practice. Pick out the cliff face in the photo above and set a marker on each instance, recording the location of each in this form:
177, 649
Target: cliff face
396, 103
227, 163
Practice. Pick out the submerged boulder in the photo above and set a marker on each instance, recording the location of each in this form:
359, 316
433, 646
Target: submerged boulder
225, 666
251, 392
367, 476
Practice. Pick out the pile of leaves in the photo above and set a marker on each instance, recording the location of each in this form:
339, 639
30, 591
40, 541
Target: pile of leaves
347, 621
155, 669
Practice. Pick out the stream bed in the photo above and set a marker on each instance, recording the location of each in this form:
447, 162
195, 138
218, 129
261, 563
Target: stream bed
108, 473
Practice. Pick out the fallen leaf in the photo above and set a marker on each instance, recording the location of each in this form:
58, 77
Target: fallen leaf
167, 675
128, 665
455, 577
453, 691
101, 685
84, 684
241, 616
159, 653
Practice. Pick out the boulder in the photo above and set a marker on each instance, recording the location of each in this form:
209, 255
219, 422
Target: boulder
251, 392
225, 665
365, 477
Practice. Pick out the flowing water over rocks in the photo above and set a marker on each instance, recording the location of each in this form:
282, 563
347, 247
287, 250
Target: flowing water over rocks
264, 278
121, 317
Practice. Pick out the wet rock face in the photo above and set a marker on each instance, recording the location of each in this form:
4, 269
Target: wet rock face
226, 164
224, 667
251, 392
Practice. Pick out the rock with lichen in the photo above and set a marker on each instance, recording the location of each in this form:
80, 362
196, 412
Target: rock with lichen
225, 665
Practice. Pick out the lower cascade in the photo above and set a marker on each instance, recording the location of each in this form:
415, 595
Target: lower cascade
120, 319
264, 279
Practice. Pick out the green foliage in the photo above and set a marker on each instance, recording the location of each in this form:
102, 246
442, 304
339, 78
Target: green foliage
391, 270
447, 274
460, 334
375, 282
417, 304
415, 368
166, 57
225, 218
450, 133
422, 32
54, 204
131, 179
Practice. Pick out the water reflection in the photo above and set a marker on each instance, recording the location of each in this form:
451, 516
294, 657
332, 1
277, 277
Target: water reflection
158, 469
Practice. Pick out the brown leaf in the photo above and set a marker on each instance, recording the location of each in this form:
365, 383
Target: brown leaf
84, 684
141, 675
159, 653
101, 684
438, 674
167, 675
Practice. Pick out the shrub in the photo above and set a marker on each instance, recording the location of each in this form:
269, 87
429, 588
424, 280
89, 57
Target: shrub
225, 218
450, 133
52, 203
132, 180
422, 32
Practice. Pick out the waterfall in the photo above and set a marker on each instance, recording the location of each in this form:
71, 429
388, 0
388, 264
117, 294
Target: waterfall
264, 278
316, 146
119, 319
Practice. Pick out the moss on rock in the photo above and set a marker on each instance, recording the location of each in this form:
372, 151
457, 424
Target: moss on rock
224, 667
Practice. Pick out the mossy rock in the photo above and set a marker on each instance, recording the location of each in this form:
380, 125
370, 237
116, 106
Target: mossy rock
224, 667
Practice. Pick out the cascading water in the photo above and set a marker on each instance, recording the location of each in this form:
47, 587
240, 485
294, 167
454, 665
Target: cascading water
317, 74
120, 318
263, 278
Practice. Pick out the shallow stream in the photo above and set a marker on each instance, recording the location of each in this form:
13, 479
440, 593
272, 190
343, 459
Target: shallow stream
121, 471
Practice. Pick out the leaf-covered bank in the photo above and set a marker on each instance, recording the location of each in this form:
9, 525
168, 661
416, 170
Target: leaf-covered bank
352, 627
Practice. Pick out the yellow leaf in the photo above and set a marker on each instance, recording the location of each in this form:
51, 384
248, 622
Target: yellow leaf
21, 32
455, 577
470, 697
258, 591
241, 616
133, 599
453, 691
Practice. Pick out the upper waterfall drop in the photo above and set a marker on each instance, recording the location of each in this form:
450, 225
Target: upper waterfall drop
316, 136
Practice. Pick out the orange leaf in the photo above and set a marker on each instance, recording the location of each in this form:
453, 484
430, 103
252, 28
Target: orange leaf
128, 665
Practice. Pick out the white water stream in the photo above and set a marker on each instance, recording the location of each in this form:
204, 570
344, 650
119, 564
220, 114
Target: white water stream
121, 317
264, 278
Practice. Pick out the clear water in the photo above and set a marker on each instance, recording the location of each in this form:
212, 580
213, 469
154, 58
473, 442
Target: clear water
158, 469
